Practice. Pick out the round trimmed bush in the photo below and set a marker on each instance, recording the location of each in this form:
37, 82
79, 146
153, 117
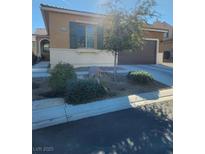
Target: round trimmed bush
141, 77
82, 91
60, 75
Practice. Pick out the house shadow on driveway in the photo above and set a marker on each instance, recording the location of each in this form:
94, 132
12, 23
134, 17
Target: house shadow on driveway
128, 131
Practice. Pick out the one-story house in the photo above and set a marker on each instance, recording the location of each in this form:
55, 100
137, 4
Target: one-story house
76, 37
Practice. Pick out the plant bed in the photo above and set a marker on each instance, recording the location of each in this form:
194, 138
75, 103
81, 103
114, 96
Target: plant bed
41, 89
121, 87
85, 90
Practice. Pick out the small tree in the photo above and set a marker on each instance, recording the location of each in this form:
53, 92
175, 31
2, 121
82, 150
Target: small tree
124, 31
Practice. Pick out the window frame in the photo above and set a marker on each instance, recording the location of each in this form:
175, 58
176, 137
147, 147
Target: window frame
85, 25
75, 44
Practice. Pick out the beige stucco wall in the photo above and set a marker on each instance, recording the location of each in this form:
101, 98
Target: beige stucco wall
168, 45
164, 25
59, 28
60, 51
81, 57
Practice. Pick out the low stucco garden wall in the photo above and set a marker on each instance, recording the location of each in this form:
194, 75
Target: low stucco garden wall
81, 57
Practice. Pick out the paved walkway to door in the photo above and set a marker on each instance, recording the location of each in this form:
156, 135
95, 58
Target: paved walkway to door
42, 64
40, 69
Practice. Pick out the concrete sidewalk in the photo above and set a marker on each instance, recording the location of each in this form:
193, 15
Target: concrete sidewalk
40, 74
50, 112
41, 64
40, 69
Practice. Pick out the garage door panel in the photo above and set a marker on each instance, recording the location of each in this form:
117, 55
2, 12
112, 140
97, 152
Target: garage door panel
146, 55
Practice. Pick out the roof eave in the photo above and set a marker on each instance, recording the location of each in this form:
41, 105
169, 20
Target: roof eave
45, 8
44, 19
156, 30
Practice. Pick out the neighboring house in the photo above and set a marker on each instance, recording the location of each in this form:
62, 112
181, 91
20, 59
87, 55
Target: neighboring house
167, 41
76, 37
40, 44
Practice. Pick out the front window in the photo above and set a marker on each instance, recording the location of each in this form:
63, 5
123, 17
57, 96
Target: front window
82, 36
89, 36
100, 37
77, 35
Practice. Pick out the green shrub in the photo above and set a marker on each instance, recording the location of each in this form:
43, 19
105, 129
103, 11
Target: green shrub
60, 75
141, 77
82, 91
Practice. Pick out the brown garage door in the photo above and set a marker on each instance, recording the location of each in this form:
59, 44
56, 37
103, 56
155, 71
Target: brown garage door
147, 55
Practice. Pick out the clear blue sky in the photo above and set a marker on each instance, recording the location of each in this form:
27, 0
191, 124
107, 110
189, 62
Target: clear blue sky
164, 7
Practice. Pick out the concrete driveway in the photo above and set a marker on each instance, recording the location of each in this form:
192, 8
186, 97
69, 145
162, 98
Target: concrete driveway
160, 73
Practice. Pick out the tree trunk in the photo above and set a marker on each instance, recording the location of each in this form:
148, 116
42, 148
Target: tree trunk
115, 66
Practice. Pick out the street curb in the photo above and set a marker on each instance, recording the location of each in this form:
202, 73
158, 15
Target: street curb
59, 112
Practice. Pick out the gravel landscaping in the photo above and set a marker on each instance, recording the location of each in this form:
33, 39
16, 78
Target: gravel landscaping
162, 110
121, 87
39, 86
